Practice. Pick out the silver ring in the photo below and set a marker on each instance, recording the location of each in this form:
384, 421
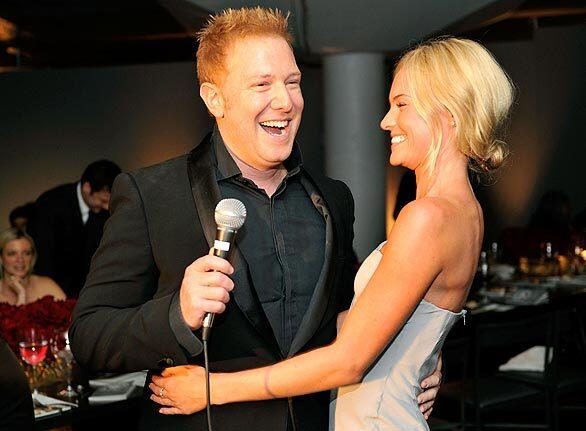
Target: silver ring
162, 393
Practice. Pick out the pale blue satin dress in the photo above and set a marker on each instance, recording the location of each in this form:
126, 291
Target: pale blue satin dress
386, 399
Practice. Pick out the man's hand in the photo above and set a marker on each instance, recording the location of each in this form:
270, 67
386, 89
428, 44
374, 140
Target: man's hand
431, 385
205, 289
179, 390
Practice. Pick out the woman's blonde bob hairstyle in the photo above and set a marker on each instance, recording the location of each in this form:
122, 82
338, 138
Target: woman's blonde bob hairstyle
462, 77
12, 234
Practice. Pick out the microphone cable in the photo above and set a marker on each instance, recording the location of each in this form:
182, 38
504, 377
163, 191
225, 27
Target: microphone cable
229, 215
207, 377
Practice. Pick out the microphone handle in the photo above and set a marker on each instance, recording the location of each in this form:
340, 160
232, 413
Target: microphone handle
222, 248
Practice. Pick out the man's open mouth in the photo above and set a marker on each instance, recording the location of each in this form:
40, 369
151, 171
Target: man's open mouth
275, 128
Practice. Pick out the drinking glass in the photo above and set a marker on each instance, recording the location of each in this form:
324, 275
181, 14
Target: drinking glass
33, 349
62, 352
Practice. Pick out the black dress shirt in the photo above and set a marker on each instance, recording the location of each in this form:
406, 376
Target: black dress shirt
282, 240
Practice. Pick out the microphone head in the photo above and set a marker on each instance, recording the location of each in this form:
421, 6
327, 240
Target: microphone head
230, 213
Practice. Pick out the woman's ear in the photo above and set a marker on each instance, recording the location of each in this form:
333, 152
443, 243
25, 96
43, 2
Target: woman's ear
212, 97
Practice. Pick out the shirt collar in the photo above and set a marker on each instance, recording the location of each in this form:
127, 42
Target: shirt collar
83, 207
226, 166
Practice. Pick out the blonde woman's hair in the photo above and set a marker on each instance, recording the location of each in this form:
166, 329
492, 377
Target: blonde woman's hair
462, 77
232, 24
12, 234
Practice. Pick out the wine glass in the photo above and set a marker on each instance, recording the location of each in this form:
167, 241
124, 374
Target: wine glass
62, 352
33, 349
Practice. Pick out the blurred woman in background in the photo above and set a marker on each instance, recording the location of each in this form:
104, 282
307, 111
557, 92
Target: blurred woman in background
18, 285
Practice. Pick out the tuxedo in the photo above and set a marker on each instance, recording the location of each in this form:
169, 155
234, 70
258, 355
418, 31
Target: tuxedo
65, 244
162, 220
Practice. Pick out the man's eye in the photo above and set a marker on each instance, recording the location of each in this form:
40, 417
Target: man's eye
262, 84
400, 105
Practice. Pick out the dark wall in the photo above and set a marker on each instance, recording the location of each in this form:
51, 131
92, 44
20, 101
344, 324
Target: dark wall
547, 134
54, 122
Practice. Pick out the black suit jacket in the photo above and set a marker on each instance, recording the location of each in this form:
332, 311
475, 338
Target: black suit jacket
162, 220
16, 405
64, 245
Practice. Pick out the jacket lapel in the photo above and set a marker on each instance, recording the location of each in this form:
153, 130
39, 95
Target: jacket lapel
321, 295
206, 195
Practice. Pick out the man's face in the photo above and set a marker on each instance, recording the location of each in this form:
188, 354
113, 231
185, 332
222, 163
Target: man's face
262, 100
98, 200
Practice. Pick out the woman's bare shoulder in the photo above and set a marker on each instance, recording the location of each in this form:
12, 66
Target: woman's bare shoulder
429, 213
46, 286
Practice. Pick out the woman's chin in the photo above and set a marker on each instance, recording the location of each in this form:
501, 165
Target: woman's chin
393, 161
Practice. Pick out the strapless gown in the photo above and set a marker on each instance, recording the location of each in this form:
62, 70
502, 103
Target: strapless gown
386, 399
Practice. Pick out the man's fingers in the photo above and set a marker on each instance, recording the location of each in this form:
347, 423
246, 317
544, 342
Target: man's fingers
425, 407
213, 279
211, 263
431, 381
215, 307
427, 414
428, 395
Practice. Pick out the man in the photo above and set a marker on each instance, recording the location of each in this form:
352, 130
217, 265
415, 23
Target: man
68, 223
20, 216
291, 273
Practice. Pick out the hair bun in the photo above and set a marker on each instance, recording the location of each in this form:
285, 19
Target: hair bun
495, 155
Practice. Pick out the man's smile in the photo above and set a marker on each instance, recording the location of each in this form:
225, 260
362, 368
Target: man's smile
275, 127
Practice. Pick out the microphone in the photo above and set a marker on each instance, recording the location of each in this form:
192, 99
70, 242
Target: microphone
230, 215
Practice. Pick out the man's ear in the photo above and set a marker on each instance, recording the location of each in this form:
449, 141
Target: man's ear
213, 99
86, 188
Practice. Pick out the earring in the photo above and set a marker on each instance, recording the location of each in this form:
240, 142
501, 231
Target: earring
453, 123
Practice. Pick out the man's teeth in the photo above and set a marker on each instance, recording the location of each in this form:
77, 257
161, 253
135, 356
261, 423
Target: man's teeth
279, 124
398, 139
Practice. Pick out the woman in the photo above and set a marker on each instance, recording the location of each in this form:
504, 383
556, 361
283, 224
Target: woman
448, 98
18, 285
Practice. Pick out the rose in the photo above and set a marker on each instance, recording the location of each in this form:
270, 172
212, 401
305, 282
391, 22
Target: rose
46, 313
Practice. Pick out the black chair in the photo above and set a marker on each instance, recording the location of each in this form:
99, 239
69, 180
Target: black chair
565, 373
486, 392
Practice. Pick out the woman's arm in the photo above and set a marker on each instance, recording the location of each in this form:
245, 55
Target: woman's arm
411, 261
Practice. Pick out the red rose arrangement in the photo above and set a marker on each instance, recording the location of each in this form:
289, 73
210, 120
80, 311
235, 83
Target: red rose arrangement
45, 314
